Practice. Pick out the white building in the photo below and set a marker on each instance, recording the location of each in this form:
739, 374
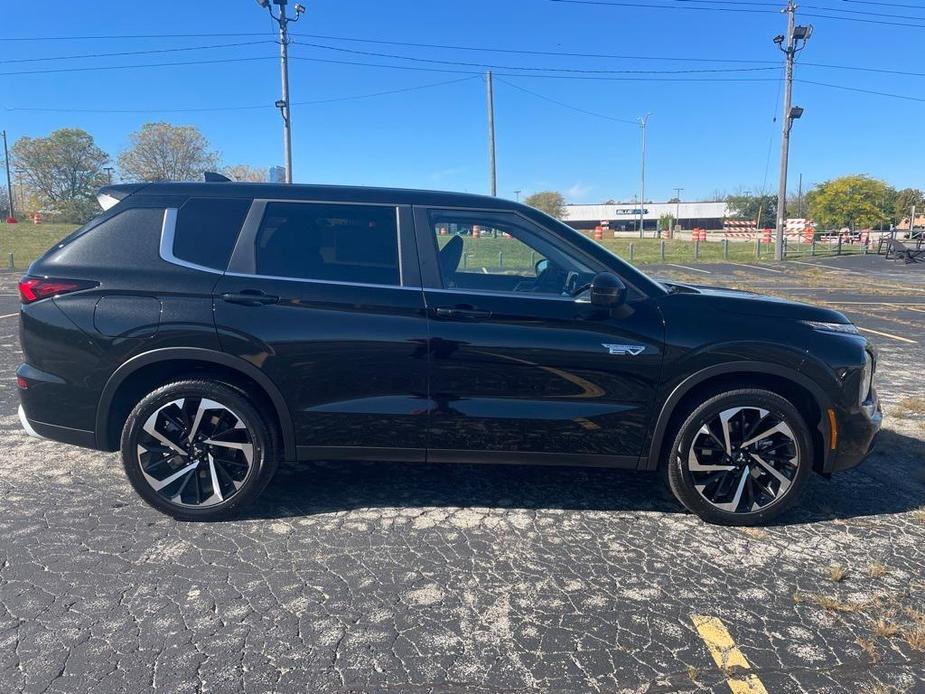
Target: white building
624, 216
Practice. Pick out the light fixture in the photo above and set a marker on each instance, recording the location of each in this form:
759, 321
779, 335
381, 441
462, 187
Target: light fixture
802, 33
796, 112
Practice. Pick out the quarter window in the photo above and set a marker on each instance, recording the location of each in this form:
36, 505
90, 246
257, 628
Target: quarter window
342, 243
207, 229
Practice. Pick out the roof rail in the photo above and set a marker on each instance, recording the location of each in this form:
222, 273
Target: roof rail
212, 177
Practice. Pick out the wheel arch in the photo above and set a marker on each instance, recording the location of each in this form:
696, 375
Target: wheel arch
144, 372
806, 395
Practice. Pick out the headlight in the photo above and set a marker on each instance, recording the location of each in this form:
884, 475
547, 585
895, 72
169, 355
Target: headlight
844, 328
867, 378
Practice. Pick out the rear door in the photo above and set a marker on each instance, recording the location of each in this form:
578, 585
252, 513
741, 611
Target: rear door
325, 298
520, 368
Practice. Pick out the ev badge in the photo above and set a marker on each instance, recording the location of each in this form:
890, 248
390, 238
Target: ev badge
631, 350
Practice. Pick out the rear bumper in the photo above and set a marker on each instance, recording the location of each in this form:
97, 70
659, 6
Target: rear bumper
857, 433
49, 397
41, 430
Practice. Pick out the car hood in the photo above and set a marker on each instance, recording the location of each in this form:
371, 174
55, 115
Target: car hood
749, 303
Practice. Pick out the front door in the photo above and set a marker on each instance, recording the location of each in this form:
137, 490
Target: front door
326, 299
521, 363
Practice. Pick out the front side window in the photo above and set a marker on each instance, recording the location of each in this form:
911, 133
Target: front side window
499, 252
332, 242
207, 229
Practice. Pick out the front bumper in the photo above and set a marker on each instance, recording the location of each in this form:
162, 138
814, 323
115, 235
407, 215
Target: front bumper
857, 433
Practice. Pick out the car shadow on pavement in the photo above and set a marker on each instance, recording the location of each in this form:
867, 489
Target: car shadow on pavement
891, 481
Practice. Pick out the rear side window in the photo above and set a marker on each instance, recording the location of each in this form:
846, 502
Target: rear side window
342, 243
207, 229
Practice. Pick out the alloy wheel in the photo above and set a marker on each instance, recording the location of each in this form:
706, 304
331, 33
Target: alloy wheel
743, 459
195, 452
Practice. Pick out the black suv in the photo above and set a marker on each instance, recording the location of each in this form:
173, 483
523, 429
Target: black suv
211, 330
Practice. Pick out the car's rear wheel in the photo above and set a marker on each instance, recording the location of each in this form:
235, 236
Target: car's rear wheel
198, 450
740, 458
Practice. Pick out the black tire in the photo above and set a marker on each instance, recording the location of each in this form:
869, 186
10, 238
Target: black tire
239, 481
753, 487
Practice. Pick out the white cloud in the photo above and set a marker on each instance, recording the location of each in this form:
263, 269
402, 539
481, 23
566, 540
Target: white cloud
577, 192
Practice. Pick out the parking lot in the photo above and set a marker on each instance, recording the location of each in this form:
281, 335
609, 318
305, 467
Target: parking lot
355, 577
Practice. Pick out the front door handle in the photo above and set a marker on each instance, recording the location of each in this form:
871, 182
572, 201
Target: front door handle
461, 313
250, 297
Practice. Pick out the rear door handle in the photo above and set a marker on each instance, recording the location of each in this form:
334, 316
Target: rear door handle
459, 313
250, 297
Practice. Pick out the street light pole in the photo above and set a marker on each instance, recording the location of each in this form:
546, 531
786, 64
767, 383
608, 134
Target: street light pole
643, 122
677, 209
283, 104
791, 113
9, 184
492, 174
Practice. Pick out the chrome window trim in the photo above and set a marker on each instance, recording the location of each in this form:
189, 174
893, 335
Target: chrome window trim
168, 233
510, 295
305, 280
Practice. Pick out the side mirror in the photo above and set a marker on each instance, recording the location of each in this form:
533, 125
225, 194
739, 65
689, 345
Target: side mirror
607, 291
540, 266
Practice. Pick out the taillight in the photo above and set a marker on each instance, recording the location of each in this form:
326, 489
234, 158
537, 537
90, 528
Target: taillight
36, 288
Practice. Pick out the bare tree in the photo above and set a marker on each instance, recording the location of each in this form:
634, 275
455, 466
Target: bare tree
165, 152
246, 172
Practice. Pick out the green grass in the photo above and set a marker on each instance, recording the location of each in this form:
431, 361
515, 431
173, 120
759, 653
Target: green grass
27, 241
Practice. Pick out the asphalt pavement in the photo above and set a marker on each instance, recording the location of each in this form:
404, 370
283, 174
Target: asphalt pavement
359, 577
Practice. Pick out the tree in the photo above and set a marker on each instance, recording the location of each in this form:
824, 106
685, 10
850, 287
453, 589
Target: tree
902, 202
853, 201
165, 152
245, 172
548, 201
666, 221
754, 206
64, 169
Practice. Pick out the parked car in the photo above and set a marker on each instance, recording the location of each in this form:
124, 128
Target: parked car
210, 330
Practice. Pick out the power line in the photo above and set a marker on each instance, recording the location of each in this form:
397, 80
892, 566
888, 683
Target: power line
854, 68
494, 66
862, 91
518, 74
355, 97
567, 105
612, 3
885, 4
145, 52
127, 36
863, 21
130, 67
871, 14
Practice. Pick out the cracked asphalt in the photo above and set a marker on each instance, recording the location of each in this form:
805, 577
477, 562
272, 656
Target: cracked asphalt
421, 578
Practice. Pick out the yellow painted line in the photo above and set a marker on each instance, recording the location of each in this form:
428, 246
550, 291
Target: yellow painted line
727, 655
10, 315
889, 335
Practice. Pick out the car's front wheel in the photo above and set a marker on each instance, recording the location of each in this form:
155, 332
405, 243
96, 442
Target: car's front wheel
740, 457
197, 450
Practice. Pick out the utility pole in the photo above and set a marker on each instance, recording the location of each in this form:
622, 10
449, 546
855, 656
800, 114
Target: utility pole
800, 198
492, 174
9, 184
677, 212
108, 170
791, 113
283, 104
517, 195
643, 122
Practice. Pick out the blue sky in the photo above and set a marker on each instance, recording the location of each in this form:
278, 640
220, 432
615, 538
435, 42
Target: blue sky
705, 136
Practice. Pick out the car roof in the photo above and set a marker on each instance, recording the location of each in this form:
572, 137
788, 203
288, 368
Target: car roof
299, 191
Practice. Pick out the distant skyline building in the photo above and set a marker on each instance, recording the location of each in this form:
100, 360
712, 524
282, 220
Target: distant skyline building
277, 174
